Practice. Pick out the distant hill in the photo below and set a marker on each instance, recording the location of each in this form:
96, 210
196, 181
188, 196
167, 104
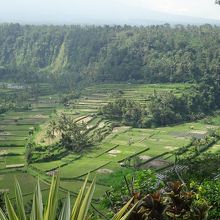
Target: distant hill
148, 17
157, 53
104, 14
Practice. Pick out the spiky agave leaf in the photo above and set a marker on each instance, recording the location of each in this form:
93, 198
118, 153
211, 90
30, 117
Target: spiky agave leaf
79, 200
10, 210
86, 202
37, 206
65, 212
119, 215
127, 214
50, 212
19, 201
79, 211
2, 215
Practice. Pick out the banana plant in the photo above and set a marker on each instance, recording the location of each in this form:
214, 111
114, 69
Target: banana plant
79, 210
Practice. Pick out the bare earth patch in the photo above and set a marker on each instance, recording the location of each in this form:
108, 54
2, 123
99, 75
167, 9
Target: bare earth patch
144, 157
5, 133
40, 116
85, 120
89, 126
93, 101
216, 146
192, 133
112, 155
153, 139
156, 164
170, 147
114, 152
115, 130
85, 110
104, 171
3, 152
79, 118
52, 172
14, 165
198, 132
4, 190
118, 129
101, 124
212, 127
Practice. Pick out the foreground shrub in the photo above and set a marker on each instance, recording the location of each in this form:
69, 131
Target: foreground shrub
158, 201
79, 210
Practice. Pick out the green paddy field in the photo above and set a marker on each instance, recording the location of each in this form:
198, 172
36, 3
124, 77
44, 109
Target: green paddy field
122, 145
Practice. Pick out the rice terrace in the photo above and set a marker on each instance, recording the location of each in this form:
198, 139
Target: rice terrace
104, 121
121, 146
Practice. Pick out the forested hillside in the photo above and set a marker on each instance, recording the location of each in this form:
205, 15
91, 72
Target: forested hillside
110, 53
143, 120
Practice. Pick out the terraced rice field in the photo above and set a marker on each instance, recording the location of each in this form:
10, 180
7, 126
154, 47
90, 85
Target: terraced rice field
96, 96
112, 153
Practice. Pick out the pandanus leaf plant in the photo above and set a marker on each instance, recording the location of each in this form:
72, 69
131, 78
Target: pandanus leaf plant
79, 211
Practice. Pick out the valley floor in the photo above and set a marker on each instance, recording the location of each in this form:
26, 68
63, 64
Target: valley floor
122, 147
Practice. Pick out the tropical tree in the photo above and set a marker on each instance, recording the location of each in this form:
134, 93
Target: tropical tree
73, 135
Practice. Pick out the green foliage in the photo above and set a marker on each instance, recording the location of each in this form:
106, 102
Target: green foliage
157, 201
29, 148
79, 210
205, 166
169, 109
48, 153
211, 191
161, 53
166, 108
73, 135
201, 164
143, 182
128, 111
68, 97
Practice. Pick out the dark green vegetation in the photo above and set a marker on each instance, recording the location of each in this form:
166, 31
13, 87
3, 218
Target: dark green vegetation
161, 109
55, 120
174, 202
73, 135
116, 148
125, 110
71, 54
157, 200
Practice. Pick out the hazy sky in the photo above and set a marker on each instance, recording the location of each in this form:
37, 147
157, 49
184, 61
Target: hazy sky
86, 11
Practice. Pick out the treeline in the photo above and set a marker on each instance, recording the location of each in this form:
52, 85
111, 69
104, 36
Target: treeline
165, 109
87, 54
193, 104
127, 111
